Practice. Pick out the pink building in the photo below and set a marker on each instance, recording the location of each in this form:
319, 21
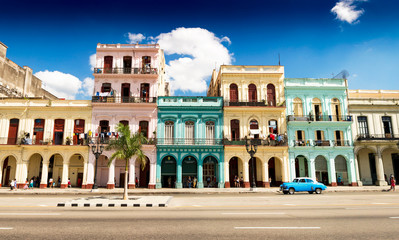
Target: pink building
127, 80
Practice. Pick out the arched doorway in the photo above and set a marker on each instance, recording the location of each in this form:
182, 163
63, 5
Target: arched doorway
301, 166
9, 170
55, 169
233, 93
235, 170
271, 95
257, 171
102, 171
35, 169
252, 95
210, 172
275, 172
321, 170
75, 171
168, 172
189, 169
144, 175
341, 170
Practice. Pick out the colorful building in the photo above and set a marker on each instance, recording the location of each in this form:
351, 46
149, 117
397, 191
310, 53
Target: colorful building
376, 134
254, 107
189, 142
319, 130
128, 78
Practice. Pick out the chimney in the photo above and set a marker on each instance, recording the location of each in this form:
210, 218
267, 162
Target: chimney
3, 50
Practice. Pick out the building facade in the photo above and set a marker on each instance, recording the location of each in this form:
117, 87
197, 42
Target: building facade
254, 107
376, 134
319, 131
189, 142
44, 139
128, 78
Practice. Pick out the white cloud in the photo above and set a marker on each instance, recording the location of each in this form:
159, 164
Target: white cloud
87, 87
92, 61
134, 38
62, 85
346, 11
201, 51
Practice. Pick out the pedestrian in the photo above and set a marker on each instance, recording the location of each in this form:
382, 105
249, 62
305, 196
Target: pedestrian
50, 183
31, 184
59, 182
15, 183
235, 181
26, 184
208, 181
270, 181
339, 181
195, 182
11, 182
393, 183
137, 182
189, 182
170, 182
69, 182
241, 182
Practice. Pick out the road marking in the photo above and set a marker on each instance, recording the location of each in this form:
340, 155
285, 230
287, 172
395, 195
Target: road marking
289, 204
371, 208
196, 205
30, 214
259, 213
380, 203
276, 227
6, 228
393, 217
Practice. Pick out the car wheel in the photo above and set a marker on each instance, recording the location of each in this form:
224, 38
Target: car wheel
291, 191
310, 192
318, 190
285, 192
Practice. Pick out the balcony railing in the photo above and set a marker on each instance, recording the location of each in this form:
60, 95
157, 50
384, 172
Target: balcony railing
341, 143
25, 141
115, 99
321, 118
125, 71
385, 137
321, 143
107, 139
249, 104
188, 141
259, 142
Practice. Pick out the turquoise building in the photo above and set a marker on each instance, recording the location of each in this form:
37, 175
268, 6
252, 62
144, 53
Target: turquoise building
319, 130
189, 142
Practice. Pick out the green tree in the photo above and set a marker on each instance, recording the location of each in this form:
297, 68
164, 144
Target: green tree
126, 146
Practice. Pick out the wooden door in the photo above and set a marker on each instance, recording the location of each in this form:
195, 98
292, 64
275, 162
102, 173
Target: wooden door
108, 64
144, 175
13, 131
38, 130
271, 95
233, 93
125, 92
79, 128
58, 131
252, 97
145, 92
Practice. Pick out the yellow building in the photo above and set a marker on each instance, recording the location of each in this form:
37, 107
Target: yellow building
44, 139
254, 107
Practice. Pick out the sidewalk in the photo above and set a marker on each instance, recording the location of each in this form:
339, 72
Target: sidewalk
169, 191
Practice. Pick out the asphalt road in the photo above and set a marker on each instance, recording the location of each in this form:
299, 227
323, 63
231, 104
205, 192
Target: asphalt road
215, 216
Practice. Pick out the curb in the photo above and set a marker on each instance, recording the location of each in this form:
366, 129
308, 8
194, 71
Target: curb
110, 205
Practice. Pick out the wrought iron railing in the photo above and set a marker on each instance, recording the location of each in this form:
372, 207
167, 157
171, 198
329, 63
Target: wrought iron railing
257, 104
125, 71
114, 99
188, 141
388, 136
29, 141
259, 142
341, 143
322, 118
321, 143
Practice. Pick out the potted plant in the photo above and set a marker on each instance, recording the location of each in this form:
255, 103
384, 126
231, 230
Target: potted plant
68, 141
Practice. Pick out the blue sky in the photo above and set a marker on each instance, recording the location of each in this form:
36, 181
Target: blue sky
312, 40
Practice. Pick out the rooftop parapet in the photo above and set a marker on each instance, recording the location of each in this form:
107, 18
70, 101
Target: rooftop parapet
247, 69
118, 45
315, 82
190, 102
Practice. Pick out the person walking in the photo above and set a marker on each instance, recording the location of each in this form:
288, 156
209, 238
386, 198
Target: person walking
69, 183
189, 181
26, 184
15, 183
31, 184
235, 181
137, 182
393, 183
195, 182
50, 183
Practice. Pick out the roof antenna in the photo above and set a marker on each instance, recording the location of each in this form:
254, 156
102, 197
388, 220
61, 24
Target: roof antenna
279, 59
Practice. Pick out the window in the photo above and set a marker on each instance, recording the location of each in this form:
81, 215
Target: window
127, 64
146, 64
106, 87
124, 122
300, 138
143, 128
339, 138
104, 130
297, 107
78, 130
317, 110
38, 130
252, 96
144, 92
210, 132
273, 127
336, 110
58, 131
233, 93
189, 132
271, 95
254, 128
235, 129
169, 132
319, 139
108, 64
13, 131
387, 124
363, 126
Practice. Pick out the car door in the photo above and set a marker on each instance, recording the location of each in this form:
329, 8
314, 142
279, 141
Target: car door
301, 185
309, 185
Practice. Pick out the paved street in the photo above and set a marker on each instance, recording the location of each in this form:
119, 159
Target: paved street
341, 215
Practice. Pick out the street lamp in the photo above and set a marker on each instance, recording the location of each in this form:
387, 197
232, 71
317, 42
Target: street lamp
252, 146
97, 150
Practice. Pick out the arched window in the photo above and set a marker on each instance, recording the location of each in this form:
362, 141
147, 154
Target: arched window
169, 132
297, 107
252, 97
254, 128
271, 95
210, 132
233, 93
189, 132
124, 122
336, 109
235, 129
317, 110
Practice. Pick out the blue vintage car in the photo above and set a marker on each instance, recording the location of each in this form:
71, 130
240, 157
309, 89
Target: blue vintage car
302, 185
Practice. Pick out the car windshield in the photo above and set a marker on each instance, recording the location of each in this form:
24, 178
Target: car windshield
295, 180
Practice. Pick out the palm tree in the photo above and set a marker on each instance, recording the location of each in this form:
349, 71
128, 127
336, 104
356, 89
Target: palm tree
127, 146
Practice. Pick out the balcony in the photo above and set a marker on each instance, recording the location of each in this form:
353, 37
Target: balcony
115, 99
259, 142
380, 137
249, 104
24, 141
106, 140
189, 141
321, 143
127, 71
319, 118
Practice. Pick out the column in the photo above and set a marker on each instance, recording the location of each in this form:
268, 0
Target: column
65, 171
132, 174
84, 181
43, 178
286, 164
312, 169
352, 172
292, 167
200, 178
332, 178
179, 176
246, 175
153, 175
158, 182
265, 175
221, 177
359, 183
1, 167
111, 176
227, 175
380, 169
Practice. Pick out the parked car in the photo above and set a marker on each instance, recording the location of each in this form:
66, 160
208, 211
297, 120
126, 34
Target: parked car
302, 185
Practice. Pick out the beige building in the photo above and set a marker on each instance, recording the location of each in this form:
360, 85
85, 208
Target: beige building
254, 107
44, 139
16, 81
376, 134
